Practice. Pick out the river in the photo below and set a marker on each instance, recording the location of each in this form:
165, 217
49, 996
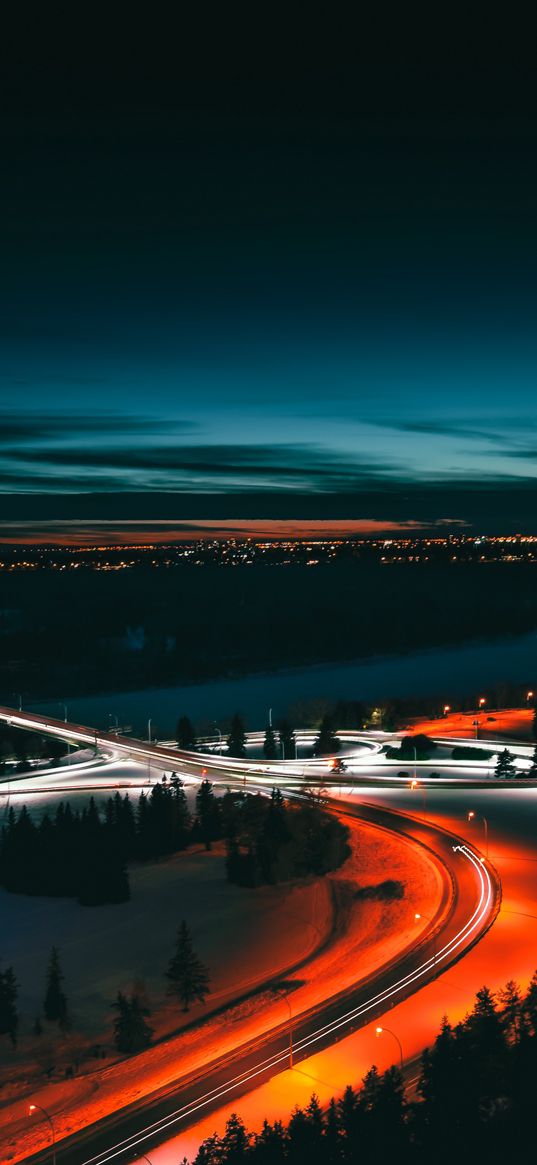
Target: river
443, 671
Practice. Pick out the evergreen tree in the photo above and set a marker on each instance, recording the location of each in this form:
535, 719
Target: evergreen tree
236, 741
504, 765
9, 1018
511, 1012
332, 1136
55, 1003
236, 1141
270, 1144
326, 742
131, 1032
180, 816
185, 734
208, 814
189, 978
269, 744
530, 1004
533, 770
287, 741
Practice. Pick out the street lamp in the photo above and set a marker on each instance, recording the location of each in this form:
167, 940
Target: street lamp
219, 738
530, 696
64, 706
37, 1108
19, 698
415, 784
482, 701
112, 717
149, 730
447, 708
380, 1031
285, 996
470, 816
417, 917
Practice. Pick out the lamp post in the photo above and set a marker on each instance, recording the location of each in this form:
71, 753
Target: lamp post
380, 1030
112, 717
415, 784
447, 708
417, 917
470, 816
19, 698
64, 706
285, 996
219, 738
149, 730
38, 1108
529, 696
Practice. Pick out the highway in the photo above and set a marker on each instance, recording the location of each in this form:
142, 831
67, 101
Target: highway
475, 903
472, 909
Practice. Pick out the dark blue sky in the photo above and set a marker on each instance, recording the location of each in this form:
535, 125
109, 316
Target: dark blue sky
304, 300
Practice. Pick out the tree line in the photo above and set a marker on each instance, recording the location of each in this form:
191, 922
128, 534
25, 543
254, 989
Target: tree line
279, 742
271, 841
474, 1101
85, 854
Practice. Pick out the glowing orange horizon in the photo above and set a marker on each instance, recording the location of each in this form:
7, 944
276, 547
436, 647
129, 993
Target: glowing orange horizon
143, 533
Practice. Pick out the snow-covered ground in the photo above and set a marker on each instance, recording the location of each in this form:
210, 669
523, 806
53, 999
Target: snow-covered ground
247, 937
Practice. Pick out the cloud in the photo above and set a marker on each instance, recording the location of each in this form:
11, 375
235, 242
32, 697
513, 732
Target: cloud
231, 467
494, 432
23, 427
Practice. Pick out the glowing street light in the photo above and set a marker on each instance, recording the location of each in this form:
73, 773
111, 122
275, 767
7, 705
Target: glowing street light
471, 816
417, 918
415, 784
447, 708
380, 1031
530, 696
482, 701
37, 1108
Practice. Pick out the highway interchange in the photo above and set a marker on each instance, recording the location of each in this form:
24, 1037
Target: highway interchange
400, 804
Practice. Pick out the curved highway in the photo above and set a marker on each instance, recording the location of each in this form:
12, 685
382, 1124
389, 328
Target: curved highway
473, 905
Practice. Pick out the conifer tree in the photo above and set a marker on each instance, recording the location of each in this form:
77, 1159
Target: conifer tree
208, 813
326, 742
504, 765
185, 734
131, 1032
55, 1002
236, 741
269, 744
287, 741
189, 978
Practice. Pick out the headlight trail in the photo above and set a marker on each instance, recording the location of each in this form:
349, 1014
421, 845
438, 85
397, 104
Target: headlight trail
467, 933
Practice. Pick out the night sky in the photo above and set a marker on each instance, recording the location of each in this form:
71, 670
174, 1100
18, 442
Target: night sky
261, 275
